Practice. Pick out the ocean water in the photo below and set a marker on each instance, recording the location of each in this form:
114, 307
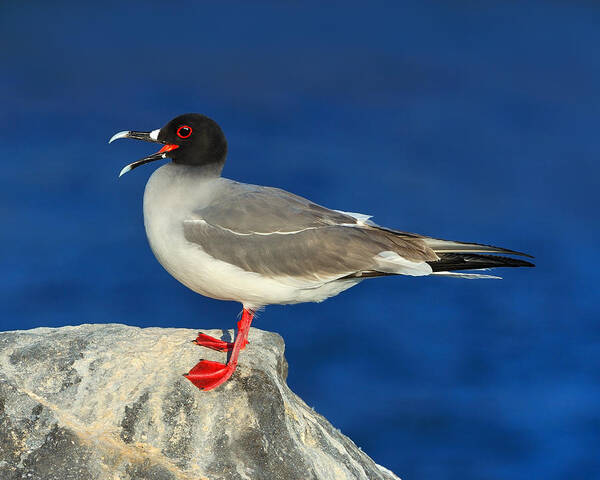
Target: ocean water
461, 120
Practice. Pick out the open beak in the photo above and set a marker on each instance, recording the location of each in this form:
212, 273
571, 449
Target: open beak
148, 137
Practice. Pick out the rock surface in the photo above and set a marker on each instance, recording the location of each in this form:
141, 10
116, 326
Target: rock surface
110, 402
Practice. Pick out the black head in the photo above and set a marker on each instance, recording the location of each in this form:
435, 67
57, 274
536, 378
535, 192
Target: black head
199, 139
189, 139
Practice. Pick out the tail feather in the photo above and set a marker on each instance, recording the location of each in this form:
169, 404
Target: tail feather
450, 262
467, 275
451, 246
453, 256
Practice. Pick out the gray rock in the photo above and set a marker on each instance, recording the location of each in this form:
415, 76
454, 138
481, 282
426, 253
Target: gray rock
110, 402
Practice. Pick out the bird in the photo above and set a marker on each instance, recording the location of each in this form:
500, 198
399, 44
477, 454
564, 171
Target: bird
260, 245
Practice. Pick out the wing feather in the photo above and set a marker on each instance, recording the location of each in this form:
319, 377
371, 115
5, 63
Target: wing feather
273, 232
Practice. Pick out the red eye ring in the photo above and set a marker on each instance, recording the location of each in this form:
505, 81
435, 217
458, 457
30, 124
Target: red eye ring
187, 131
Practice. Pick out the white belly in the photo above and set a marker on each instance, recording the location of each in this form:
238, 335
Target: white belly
172, 193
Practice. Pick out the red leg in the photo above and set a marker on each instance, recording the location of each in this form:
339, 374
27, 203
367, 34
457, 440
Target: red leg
213, 343
207, 374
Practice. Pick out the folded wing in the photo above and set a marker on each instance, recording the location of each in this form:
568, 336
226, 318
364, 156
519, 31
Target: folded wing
275, 233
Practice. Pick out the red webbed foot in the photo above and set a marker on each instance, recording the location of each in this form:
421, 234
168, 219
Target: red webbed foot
207, 374
213, 343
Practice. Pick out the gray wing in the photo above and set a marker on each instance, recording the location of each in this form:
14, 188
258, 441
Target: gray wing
255, 209
275, 233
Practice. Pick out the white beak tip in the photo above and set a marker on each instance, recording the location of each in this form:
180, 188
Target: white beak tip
118, 135
125, 169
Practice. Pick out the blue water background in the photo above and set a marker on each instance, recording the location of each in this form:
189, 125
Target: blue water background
473, 121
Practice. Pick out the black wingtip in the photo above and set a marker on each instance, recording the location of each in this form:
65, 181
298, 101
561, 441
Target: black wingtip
449, 262
514, 252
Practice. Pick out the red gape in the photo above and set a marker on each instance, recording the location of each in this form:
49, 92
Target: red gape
207, 374
168, 148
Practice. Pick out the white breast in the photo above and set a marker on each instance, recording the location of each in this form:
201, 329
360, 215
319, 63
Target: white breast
172, 193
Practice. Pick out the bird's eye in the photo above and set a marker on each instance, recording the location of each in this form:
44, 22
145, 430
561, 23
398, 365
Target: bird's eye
184, 131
